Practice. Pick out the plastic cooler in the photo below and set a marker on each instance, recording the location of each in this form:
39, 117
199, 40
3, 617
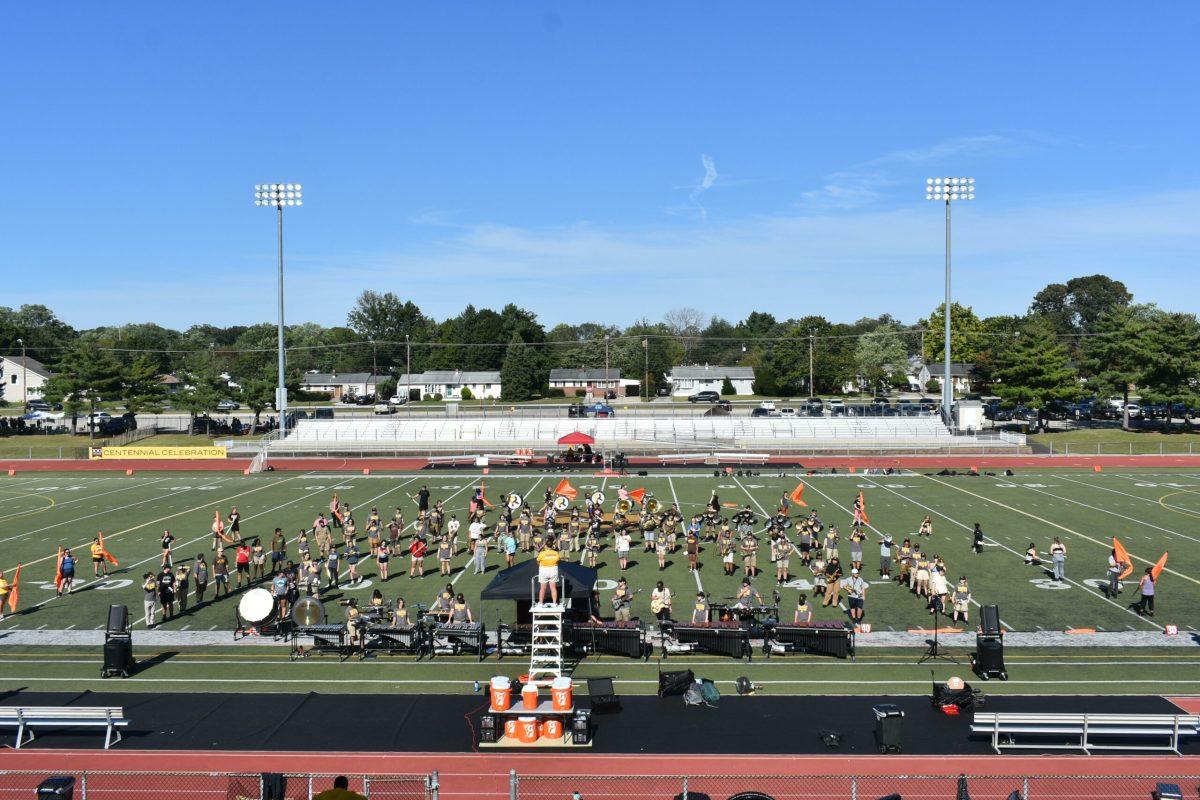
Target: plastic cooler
511, 728
552, 729
529, 696
527, 730
501, 691
561, 694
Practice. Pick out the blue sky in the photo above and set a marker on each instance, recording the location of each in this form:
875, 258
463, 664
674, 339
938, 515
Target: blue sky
600, 161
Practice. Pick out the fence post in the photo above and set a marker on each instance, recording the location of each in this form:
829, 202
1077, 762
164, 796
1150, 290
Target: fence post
853, 787
684, 796
512, 784
1025, 788
366, 779
310, 794
83, 785
432, 787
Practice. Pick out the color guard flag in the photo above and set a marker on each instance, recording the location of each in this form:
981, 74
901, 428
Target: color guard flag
566, 489
335, 508
638, 495
109, 557
483, 496
14, 593
58, 575
797, 495
218, 527
860, 509
1157, 569
1123, 557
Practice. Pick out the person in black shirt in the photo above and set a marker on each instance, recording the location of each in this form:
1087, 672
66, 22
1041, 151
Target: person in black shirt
166, 592
977, 539
423, 499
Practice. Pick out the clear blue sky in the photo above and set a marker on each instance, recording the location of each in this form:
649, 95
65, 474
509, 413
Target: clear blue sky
556, 155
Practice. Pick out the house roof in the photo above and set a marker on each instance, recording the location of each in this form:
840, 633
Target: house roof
711, 371
958, 369
169, 380
31, 364
449, 376
563, 374
331, 379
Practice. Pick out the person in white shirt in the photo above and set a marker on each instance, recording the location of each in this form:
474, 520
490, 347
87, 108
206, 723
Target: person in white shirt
660, 601
938, 588
452, 528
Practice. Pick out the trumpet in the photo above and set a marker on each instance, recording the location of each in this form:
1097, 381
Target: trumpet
514, 501
562, 502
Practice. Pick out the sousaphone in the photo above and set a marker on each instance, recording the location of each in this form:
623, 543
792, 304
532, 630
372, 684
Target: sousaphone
652, 505
624, 506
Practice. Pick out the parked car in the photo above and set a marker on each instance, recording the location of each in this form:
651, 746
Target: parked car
815, 402
37, 405
1135, 410
764, 412
837, 407
385, 408
398, 400
322, 413
787, 412
725, 405
663, 391
228, 405
706, 396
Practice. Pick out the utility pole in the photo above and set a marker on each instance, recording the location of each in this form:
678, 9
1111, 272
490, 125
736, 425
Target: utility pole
812, 390
646, 366
407, 369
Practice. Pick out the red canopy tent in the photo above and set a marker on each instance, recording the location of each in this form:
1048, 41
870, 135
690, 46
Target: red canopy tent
576, 438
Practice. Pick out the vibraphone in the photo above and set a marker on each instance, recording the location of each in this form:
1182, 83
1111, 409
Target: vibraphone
720, 638
455, 638
328, 638
612, 638
815, 638
410, 640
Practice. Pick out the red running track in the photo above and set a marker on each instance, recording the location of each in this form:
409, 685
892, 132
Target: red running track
479, 775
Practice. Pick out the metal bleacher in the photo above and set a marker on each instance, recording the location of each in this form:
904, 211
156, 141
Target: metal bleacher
633, 432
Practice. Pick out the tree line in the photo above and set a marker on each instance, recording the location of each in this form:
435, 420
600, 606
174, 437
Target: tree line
1085, 336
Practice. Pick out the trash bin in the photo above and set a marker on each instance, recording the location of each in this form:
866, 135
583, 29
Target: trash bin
888, 720
59, 787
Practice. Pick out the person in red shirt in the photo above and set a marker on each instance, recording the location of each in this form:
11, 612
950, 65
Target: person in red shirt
242, 559
416, 551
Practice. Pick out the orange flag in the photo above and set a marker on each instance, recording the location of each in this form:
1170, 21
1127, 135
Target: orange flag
14, 593
638, 495
1123, 557
860, 508
1157, 569
109, 557
566, 489
335, 508
218, 527
483, 496
797, 495
58, 576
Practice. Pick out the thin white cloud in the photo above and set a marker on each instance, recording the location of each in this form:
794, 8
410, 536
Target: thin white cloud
706, 183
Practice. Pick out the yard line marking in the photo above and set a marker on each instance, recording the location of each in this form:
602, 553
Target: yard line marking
1105, 545
1114, 513
675, 497
157, 498
470, 555
1084, 587
68, 502
192, 510
1159, 502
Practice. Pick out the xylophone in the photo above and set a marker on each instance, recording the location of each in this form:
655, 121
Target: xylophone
612, 638
834, 639
455, 638
720, 638
326, 638
411, 639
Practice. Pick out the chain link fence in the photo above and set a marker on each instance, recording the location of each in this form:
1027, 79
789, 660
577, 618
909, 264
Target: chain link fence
843, 787
214, 785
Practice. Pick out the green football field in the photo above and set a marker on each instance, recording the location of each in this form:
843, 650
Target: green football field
1149, 511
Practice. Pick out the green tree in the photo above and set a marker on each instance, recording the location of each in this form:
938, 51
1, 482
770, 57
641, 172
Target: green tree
203, 386
1077, 305
258, 394
87, 375
879, 355
1118, 354
1036, 369
141, 385
1173, 340
965, 328
518, 374
727, 389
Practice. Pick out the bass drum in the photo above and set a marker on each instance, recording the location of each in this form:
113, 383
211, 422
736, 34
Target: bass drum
597, 498
562, 503
257, 607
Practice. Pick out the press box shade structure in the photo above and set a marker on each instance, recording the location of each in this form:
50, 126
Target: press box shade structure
576, 438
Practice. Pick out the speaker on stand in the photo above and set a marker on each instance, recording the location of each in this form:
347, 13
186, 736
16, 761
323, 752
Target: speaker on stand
118, 643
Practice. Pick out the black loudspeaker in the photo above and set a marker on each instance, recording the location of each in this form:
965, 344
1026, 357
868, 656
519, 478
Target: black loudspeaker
118, 619
988, 660
989, 620
118, 657
671, 684
60, 786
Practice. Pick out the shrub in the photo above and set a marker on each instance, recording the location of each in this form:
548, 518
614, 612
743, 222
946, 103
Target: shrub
727, 388
933, 386
467, 394
555, 393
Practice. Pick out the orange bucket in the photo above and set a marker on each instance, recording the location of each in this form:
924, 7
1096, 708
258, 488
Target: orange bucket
501, 691
552, 729
529, 696
561, 694
527, 730
511, 728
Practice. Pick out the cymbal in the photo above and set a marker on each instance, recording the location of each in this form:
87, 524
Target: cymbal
308, 611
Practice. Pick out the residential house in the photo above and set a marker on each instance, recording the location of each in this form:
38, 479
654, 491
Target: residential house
960, 374
592, 381
23, 378
689, 380
350, 384
449, 383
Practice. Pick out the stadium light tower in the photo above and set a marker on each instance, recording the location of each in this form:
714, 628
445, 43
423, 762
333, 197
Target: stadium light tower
279, 195
948, 190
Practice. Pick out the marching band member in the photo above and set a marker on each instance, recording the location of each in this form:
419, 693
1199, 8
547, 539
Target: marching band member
803, 615
660, 601
700, 609
962, 600
926, 528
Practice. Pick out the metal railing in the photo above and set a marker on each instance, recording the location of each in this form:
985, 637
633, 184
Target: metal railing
840, 787
130, 785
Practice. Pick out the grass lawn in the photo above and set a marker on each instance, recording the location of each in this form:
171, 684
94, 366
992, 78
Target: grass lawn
1151, 511
1119, 442
58, 445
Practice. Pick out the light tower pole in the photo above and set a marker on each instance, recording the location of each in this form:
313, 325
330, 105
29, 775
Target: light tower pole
948, 190
279, 195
